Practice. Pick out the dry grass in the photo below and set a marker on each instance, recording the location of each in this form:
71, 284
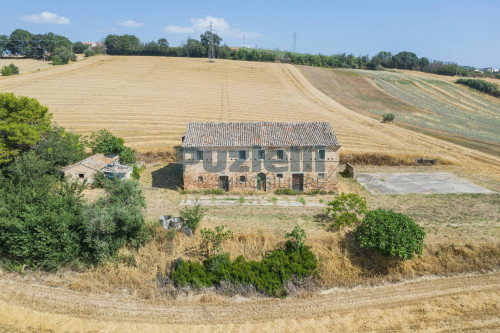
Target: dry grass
25, 66
342, 263
386, 159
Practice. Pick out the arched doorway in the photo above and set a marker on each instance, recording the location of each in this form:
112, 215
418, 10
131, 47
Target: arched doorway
261, 181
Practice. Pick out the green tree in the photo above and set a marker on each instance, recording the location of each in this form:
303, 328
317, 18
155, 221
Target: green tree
23, 121
391, 233
123, 44
104, 142
114, 220
40, 217
60, 148
62, 55
346, 210
20, 42
163, 46
4, 44
194, 48
79, 47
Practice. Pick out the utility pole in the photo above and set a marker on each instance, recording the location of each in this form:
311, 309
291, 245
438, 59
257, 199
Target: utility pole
294, 41
211, 46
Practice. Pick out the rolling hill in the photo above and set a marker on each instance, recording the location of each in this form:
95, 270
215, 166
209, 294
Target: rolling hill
149, 100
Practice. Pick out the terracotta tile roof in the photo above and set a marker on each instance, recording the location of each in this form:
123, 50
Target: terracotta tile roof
96, 162
259, 133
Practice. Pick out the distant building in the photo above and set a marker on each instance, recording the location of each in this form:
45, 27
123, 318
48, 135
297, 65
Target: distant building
87, 168
265, 156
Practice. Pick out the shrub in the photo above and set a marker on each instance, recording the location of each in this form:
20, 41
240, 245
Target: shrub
10, 70
214, 238
269, 275
391, 233
481, 85
40, 216
193, 215
114, 221
104, 142
286, 191
387, 117
62, 55
136, 172
346, 210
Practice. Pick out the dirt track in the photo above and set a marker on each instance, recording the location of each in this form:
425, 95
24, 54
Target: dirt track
465, 303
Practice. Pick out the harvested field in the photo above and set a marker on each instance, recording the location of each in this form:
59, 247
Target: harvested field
149, 100
430, 104
25, 65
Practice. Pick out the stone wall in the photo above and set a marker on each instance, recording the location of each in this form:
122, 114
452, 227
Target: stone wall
244, 175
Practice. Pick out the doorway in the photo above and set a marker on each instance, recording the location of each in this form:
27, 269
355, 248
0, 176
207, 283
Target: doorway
298, 182
224, 183
261, 181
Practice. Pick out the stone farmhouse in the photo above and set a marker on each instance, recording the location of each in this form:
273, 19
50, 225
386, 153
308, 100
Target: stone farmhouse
263, 156
87, 168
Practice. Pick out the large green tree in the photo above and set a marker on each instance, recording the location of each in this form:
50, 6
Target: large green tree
4, 43
23, 120
20, 42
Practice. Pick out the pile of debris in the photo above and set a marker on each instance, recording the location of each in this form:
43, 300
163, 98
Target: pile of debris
174, 223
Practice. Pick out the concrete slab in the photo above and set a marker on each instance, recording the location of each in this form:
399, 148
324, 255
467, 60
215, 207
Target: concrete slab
426, 183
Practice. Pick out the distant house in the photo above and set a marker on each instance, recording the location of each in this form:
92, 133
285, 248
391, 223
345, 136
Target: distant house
87, 168
266, 156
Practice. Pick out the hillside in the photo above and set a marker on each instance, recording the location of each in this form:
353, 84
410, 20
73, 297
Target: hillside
149, 100
424, 102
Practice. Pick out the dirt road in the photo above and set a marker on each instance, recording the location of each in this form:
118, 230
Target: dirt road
459, 303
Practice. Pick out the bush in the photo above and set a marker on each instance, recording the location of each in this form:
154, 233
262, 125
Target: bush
346, 210
10, 70
104, 142
114, 221
481, 85
391, 233
214, 238
40, 216
286, 191
136, 172
387, 117
193, 215
62, 55
269, 275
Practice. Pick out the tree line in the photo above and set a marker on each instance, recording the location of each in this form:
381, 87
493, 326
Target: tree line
61, 50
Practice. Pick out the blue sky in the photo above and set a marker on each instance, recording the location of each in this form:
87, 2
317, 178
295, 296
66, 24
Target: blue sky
466, 32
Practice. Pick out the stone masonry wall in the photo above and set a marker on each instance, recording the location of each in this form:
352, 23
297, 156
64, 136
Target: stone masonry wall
243, 174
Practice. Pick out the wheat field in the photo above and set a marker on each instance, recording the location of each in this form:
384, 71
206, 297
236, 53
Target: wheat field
149, 100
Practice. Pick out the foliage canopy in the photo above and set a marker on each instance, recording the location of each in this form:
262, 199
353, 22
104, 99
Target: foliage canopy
391, 233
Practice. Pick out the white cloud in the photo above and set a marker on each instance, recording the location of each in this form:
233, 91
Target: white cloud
219, 25
45, 17
176, 29
131, 23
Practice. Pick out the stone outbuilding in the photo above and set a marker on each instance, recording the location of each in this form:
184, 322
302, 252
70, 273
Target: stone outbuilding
263, 156
87, 168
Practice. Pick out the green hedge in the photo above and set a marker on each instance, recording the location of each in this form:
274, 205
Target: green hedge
268, 275
481, 85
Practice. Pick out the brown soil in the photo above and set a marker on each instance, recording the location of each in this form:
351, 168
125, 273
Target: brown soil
459, 303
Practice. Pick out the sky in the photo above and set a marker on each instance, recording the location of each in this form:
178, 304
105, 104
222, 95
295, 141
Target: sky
464, 32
